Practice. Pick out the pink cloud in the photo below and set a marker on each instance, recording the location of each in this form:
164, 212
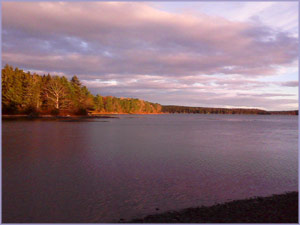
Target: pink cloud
134, 38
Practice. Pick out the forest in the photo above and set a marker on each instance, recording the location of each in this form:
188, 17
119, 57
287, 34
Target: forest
33, 94
205, 110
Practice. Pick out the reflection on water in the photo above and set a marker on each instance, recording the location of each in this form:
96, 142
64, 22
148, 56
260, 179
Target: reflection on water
100, 172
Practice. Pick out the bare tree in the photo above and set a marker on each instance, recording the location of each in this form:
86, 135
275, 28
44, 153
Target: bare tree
56, 93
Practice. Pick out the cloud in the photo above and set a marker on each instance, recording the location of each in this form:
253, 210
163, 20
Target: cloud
137, 50
290, 84
135, 38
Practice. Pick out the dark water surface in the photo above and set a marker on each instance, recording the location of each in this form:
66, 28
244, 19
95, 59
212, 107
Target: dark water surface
96, 171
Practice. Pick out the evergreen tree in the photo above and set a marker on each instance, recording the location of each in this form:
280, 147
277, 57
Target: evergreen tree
98, 102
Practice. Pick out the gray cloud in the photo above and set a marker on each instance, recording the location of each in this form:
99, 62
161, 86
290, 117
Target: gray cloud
290, 84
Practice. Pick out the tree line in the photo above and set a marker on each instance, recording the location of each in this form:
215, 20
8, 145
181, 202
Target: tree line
204, 110
26, 93
33, 94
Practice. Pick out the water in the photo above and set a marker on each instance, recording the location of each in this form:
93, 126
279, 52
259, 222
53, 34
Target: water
103, 170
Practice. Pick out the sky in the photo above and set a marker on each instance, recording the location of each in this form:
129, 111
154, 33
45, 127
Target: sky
206, 54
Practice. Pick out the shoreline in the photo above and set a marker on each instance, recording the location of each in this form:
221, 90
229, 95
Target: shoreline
98, 115
53, 117
279, 208
108, 115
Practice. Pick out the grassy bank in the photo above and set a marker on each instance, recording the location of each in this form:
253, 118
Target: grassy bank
281, 208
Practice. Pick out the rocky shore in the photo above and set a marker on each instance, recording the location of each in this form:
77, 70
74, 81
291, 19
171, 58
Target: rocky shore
281, 208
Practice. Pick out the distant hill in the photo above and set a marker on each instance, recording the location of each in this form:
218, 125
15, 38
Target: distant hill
291, 112
205, 110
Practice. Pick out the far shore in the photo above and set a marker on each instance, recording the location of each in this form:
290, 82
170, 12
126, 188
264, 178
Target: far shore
281, 208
